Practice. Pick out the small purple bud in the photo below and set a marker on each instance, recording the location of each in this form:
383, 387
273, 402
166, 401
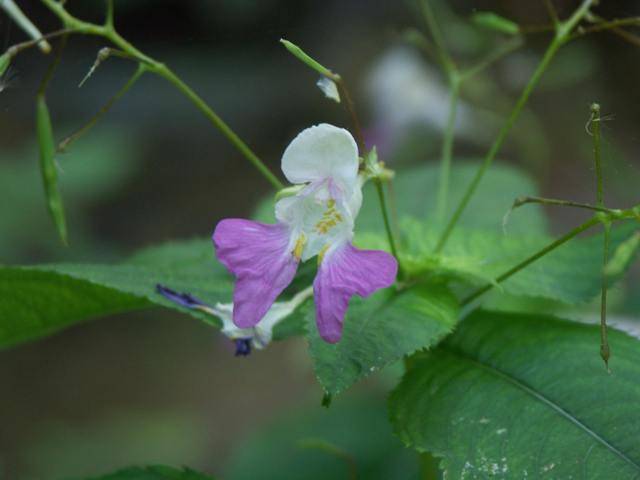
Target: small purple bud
183, 299
243, 347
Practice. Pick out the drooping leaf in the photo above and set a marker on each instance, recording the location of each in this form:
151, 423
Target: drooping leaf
524, 396
353, 434
379, 331
37, 301
155, 472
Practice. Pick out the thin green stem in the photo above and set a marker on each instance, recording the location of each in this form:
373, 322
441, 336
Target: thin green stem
385, 217
562, 33
109, 17
528, 261
613, 26
53, 66
605, 351
597, 152
447, 148
551, 10
19, 47
107, 31
350, 106
13, 11
62, 146
609, 25
201, 105
441, 49
493, 57
562, 203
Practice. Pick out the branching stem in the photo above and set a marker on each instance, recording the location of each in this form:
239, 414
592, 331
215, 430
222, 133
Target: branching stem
563, 32
103, 111
108, 31
562, 203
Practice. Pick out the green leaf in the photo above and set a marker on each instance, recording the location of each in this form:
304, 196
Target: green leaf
156, 472
379, 331
524, 396
37, 301
570, 274
353, 434
48, 166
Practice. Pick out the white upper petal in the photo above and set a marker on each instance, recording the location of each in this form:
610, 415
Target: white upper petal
322, 152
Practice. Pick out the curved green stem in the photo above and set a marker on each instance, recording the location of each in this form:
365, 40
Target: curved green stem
385, 217
108, 31
562, 34
220, 124
63, 145
447, 148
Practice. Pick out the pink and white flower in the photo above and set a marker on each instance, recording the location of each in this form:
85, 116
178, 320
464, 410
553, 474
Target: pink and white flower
317, 221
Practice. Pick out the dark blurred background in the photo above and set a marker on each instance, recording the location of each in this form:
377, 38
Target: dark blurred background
159, 387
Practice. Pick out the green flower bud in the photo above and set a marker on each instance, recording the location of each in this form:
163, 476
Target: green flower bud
493, 21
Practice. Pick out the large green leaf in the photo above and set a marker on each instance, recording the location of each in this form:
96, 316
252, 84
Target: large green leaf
524, 396
319, 444
36, 301
381, 330
156, 472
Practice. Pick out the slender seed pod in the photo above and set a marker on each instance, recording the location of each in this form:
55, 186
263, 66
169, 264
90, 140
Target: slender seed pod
5, 61
493, 21
48, 167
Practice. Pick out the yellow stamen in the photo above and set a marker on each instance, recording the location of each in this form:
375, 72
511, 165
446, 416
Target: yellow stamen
300, 243
321, 253
330, 218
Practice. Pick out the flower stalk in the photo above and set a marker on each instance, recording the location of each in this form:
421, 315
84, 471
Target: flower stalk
605, 350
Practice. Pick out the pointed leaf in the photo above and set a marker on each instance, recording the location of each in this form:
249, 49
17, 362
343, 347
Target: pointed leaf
380, 330
524, 396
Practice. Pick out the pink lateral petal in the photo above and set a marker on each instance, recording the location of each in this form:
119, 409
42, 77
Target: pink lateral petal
346, 272
258, 255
